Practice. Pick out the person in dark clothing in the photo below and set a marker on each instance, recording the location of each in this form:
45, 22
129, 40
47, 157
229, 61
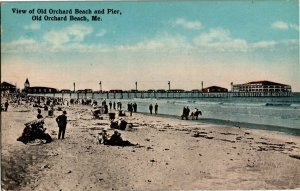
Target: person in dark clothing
6, 105
110, 104
187, 113
114, 105
184, 111
150, 108
105, 109
39, 115
130, 109
62, 124
134, 107
156, 108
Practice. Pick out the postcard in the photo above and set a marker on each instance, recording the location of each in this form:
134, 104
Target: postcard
170, 95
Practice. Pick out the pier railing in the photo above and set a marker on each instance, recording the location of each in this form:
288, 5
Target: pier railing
161, 95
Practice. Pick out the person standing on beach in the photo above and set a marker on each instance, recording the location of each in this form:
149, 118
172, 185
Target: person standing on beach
134, 107
62, 124
130, 109
110, 104
150, 108
156, 108
6, 105
187, 113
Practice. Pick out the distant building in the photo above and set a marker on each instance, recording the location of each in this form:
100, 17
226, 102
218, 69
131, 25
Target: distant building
214, 89
261, 86
88, 90
115, 91
65, 91
37, 89
7, 87
176, 90
161, 91
41, 90
195, 90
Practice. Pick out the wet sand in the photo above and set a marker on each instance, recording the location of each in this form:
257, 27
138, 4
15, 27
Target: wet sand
172, 154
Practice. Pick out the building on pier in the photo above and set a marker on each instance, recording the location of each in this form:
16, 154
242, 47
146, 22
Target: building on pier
214, 89
261, 86
65, 91
40, 90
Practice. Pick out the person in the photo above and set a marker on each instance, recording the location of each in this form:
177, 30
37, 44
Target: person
187, 113
115, 139
110, 105
156, 108
134, 107
39, 115
6, 105
114, 105
130, 109
62, 124
183, 113
150, 108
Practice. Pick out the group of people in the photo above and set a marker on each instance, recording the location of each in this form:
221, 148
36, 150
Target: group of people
131, 108
155, 108
186, 113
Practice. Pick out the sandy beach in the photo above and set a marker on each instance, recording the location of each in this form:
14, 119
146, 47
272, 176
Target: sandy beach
172, 154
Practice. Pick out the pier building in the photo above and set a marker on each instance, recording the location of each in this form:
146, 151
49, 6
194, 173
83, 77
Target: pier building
261, 86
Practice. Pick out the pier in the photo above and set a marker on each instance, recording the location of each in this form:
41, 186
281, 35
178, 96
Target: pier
175, 95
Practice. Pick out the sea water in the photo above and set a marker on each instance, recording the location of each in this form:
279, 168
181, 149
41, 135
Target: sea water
271, 111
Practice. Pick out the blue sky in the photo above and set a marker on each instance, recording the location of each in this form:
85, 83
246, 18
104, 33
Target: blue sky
217, 42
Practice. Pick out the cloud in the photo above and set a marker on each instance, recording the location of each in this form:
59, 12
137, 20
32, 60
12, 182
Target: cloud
75, 33
22, 45
280, 25
220, 39
33, 26
264, 44
71, 39
195, 25
285, 26
101, 33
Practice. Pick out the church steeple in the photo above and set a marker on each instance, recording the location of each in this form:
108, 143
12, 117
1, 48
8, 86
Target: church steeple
26, 84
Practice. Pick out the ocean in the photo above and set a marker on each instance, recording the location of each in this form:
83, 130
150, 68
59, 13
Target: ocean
269, 113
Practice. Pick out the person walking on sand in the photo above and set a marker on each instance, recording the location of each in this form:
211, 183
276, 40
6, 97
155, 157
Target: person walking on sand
62, 124
150, 108
156, 108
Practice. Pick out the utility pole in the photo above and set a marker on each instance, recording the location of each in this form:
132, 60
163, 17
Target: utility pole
169, 83
202, 86
136, 86
100, 83
74, 86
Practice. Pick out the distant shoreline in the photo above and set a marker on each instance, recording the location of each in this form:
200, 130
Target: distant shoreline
273, 128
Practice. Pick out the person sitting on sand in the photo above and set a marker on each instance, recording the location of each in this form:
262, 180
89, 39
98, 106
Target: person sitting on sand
62, 124
39, 115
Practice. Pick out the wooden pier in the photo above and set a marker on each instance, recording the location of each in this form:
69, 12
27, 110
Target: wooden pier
176, 95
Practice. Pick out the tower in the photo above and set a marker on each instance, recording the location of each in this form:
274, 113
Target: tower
26, 84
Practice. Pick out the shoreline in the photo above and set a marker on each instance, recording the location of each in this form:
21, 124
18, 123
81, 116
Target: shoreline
272, 128
172, 154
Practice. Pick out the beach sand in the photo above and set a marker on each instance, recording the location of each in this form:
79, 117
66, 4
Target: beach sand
172, 154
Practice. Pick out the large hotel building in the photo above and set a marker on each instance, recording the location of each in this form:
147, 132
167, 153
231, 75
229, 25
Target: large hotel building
261, 86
